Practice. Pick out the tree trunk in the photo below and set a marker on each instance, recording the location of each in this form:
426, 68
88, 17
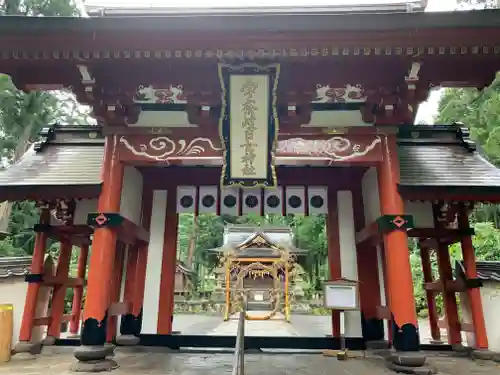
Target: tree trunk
192, 242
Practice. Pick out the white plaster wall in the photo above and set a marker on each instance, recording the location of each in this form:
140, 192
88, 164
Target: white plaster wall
348, 257
122, 286
83, 208
371, 202
422, 213
490, 296
381, 281
131, 198
333, 119
13, 291
163, 119
154, 263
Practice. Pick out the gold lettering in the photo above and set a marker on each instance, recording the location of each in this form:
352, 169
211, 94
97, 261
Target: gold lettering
249, 109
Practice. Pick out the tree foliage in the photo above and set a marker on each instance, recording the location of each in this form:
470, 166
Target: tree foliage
22, 115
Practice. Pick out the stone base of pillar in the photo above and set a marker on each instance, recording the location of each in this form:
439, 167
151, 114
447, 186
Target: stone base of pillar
93, 359
377, 344
436, 342
409, 363
423, 370
496, 358
49, 341
461, 351
21, 357
27, 349
94, 366
127, 340
483, 354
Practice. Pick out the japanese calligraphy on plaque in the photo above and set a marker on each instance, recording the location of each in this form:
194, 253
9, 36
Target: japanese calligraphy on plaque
249, 124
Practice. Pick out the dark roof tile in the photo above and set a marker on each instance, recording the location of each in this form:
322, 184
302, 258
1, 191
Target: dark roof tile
57, 165
445, 165
431, 156
14, 266
486, 270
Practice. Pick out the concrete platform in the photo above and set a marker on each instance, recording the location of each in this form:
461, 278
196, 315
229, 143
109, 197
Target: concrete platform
210, 363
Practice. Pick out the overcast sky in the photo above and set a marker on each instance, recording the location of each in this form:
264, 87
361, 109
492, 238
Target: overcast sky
433, 5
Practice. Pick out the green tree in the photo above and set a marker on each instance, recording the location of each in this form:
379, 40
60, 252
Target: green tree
22, 115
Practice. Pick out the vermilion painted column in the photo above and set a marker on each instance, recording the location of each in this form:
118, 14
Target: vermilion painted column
398, 270
450, 300
59, 293
430, 295
130, 275
333, 240
166, 304
37, 263
471, 273
78, 293
102, 256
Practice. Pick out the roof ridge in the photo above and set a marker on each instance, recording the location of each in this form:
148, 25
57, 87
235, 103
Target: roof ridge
419, 135
48, 134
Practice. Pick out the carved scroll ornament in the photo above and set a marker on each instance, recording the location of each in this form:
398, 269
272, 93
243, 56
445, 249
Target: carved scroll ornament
162, 148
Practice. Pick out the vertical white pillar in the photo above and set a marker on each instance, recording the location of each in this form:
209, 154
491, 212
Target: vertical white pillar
122, 286
154, 263
381, 282
348, 257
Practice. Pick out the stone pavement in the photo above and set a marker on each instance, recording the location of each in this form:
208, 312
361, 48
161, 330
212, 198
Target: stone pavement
300, 325
162, 362
277, 326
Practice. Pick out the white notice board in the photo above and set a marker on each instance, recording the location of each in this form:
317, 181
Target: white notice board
341, 295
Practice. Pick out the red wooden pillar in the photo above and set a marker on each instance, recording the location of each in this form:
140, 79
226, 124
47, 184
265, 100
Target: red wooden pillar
36, 272
59, 293
449, 298
95, 312
397, 257
471, 273
167, 283
130, 275
430, 295
334, 265
78, 294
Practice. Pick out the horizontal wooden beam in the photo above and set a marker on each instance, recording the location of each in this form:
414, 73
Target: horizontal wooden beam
69, 282
440, 286
46, 320
131, 233
369, 233
465, 327
383, 312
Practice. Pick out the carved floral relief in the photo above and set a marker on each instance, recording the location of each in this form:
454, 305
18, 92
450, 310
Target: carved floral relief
151, 94
162, 148
335, 149
347, 94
